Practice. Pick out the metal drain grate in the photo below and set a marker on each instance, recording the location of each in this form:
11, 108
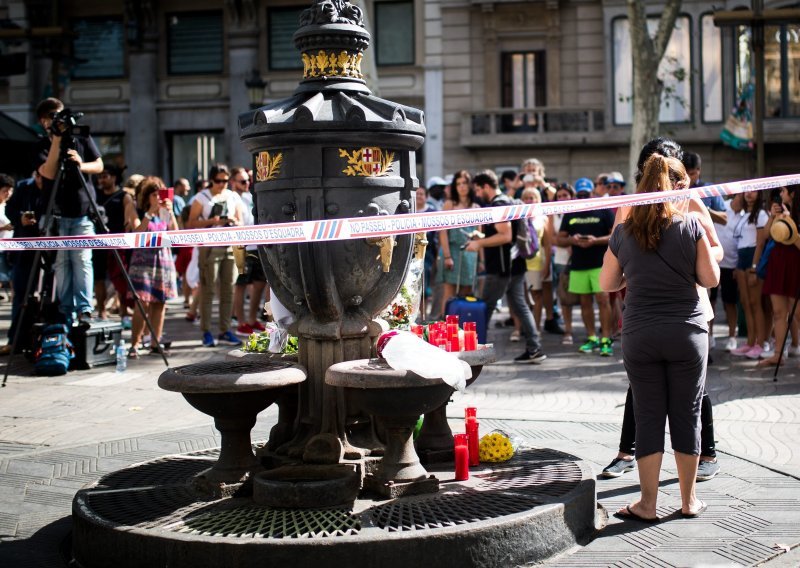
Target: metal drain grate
164, 471
530, 474
228, 368
447, 511
251, 522
145, 508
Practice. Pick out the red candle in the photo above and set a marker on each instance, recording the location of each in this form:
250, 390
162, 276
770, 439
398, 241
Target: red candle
470, 340
453, 318
470, 412
461, 454
452, 330
473, 440
470, 326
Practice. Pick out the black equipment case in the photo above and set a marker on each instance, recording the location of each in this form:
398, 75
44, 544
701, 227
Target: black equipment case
95, 344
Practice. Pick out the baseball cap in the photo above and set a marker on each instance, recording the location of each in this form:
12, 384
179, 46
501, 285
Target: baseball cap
434, 181
615, 177
584, 185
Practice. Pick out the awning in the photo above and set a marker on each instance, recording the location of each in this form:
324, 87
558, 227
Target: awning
13, 131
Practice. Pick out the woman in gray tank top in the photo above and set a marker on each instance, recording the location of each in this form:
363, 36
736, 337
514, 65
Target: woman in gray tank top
661, 255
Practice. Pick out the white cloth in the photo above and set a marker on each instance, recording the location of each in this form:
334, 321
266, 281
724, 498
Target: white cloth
745, 231
4, 220
726, 238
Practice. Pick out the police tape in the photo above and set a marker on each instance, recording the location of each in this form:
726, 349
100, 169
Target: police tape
382, 225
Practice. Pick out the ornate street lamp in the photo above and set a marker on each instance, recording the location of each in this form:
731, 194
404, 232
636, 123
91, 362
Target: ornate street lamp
255, 89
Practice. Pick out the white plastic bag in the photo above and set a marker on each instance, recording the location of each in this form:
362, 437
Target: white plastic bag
405, 351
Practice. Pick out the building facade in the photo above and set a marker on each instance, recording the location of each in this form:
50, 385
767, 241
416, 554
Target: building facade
162, 83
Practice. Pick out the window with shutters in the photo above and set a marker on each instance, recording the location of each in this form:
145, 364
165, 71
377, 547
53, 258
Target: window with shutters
98, 48
283, 22
394, 33
194, 43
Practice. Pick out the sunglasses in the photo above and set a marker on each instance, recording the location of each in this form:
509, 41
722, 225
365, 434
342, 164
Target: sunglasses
221, 180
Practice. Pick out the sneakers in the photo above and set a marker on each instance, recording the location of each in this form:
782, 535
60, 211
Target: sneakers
208, 339
228, 338
258, 326
793, 351
85, 319
730, 345
742, 350
514, 337
768, 350
551, 326
536, 357
605, 348
712, 341
592, 344
567, 339
707, 470
618, 466
244, 329
755, 352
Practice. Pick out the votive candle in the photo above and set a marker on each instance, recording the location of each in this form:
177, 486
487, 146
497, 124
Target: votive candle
461, 456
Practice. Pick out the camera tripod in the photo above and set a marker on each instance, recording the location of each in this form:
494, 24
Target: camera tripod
67, 142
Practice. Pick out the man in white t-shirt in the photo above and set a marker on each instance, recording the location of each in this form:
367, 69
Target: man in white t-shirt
216, 206
252, 273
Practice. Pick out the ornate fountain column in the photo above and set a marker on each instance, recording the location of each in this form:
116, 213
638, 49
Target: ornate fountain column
332, 150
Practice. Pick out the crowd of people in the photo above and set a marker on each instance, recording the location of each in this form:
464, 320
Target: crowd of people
759, 276
92, 196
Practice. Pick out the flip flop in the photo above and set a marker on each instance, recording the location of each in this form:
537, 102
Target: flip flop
633, 516
697, 513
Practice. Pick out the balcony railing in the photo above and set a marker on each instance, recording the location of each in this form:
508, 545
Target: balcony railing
537, 126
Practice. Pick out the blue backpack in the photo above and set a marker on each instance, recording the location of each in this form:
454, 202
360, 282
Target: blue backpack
55, 351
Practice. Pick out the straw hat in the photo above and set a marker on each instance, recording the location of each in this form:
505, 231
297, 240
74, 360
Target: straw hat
784, 230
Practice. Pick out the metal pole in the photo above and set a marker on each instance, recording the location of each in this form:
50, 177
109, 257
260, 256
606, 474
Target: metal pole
758, 55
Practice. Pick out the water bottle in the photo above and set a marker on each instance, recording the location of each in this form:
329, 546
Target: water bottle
122, 357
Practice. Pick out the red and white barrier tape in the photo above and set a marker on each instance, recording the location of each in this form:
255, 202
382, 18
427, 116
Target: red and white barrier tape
361, 227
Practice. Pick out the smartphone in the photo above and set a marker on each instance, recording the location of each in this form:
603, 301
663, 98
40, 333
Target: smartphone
777, 199
166, 193
29, 215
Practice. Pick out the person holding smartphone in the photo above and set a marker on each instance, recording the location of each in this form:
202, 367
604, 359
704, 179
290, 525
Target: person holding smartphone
152, 270
587, 233
216, 206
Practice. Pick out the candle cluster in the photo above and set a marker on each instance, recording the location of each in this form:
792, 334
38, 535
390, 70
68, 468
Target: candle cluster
447, 335
467, 446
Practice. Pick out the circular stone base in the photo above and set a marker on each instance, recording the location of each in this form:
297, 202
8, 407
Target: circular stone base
525, 510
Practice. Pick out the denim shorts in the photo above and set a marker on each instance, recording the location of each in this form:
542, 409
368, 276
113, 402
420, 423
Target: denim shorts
745, 260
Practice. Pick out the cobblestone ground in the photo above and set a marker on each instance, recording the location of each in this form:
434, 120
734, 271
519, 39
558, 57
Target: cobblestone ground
57, 434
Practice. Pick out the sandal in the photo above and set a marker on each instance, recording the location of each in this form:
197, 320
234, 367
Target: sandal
133, 353
567, 339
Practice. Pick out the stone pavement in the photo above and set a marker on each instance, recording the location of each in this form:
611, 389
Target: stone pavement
57, 434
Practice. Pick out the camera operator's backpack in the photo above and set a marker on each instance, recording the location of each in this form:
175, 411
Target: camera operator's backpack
54, 352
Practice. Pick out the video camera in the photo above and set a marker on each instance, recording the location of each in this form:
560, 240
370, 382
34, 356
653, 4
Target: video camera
65, 123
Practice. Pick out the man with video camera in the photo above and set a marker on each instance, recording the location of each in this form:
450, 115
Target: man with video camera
73, 145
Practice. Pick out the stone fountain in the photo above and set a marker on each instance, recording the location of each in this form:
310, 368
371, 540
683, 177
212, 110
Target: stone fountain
340, 479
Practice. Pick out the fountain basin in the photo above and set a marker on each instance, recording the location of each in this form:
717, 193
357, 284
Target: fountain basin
233, 394
396, 398
307, 486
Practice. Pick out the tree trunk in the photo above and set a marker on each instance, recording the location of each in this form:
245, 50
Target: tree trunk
647, 53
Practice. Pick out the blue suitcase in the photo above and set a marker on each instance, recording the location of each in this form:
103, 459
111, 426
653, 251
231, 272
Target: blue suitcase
468, 309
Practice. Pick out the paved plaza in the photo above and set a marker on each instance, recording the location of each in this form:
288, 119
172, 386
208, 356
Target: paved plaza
58, 434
